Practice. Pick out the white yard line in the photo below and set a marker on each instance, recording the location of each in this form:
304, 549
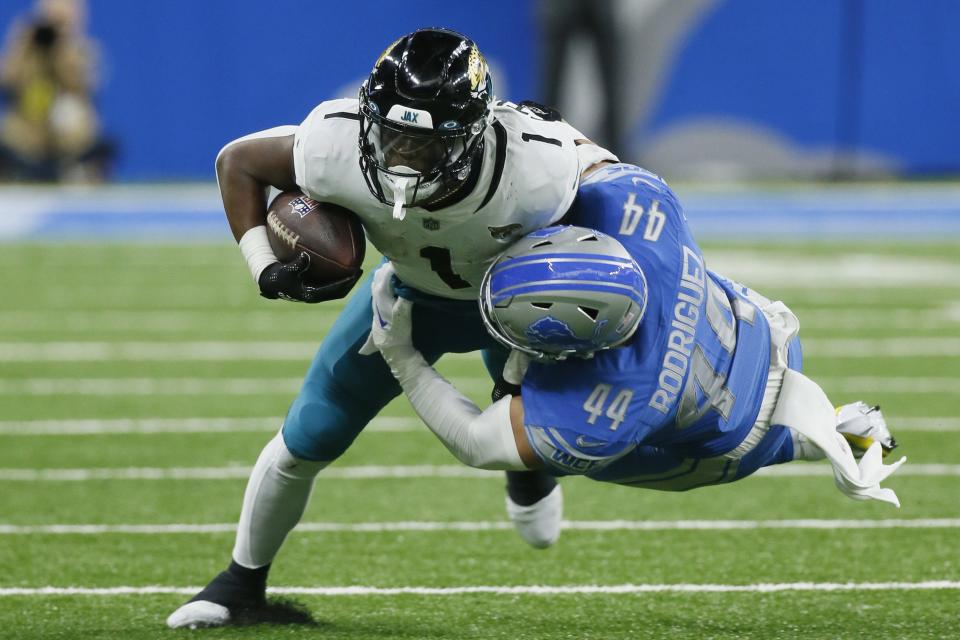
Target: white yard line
236, 472
112, 320
230, 351
149, 386
938, 423
590, 589
468, 384
218, 351
854, 271
873, 298
893, 319
374, 472
180, 425
145, 320
394, 424
800, 470
498, 525
881, 347
874, 385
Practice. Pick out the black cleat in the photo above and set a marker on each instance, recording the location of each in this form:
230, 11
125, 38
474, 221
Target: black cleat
231, 595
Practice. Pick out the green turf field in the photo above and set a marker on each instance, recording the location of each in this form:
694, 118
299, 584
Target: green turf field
138, 384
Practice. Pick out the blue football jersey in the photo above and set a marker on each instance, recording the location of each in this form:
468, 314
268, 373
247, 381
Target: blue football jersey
688, 379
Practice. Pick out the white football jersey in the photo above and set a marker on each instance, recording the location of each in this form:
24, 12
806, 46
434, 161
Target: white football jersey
528, 180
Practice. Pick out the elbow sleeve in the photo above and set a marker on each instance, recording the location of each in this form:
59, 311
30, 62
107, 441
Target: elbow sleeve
491, 443
481, 439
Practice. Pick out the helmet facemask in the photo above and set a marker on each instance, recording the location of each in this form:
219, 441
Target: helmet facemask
409, 166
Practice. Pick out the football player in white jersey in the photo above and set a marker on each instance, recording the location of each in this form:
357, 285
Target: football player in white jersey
443, 178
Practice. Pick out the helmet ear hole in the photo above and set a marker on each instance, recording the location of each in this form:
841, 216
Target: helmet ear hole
590, 312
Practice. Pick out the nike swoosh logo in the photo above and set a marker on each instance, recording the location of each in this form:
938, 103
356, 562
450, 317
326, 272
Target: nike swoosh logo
380, 319
588, 444
636, 181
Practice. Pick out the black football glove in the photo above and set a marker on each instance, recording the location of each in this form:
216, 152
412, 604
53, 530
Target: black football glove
502, 388
285, 280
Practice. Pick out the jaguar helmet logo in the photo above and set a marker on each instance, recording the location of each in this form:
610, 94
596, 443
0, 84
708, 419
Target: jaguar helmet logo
387, 51
477, 71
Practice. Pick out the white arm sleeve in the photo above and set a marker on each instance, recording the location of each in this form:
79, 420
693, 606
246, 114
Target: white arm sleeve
481, 439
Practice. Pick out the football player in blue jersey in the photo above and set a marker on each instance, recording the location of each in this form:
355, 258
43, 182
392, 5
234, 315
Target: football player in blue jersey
643, 367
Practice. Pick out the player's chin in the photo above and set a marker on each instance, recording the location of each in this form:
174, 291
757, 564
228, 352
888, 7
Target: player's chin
439, 190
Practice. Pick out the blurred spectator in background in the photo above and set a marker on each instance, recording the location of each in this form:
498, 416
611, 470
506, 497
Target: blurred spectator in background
48, 72
562, 21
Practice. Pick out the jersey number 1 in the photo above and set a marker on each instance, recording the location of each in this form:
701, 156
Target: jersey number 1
441, 264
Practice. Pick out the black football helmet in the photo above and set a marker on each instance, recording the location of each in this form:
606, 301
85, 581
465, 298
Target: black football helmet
423, 111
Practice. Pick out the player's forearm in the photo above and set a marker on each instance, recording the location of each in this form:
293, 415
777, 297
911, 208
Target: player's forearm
481, 439
247, 168
244, 198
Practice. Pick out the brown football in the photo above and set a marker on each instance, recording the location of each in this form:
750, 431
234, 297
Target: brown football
330, 234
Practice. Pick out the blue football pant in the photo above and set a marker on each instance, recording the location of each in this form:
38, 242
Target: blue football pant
344, 390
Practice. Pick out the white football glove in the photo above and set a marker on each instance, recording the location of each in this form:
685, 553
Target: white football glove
391, 329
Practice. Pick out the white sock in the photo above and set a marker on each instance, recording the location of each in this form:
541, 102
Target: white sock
803, 449
273, 503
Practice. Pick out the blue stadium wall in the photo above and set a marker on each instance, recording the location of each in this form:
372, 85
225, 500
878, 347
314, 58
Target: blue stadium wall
753, 87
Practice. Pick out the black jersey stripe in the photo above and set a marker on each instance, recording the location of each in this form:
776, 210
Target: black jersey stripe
500, 134
343, 114
527, 137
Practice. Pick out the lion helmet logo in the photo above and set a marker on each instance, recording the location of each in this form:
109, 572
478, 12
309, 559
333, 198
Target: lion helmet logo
553, 332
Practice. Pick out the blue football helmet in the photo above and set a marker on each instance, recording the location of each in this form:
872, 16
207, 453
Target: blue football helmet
563, 291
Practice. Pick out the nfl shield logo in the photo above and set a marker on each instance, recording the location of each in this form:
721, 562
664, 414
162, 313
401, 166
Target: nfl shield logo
430, 224
303, 205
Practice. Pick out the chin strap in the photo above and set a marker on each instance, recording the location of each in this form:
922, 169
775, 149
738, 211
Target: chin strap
515, 367
399, 191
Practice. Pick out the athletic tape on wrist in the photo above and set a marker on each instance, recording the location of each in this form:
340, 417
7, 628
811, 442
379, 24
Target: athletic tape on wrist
255, 247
